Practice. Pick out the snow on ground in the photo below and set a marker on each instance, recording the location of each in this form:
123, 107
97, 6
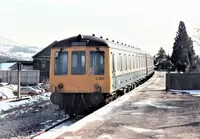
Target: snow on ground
142, 130
11, 86
145, 103
7, 92
53, 132
8, 89
8, 105
3, 84
193, 92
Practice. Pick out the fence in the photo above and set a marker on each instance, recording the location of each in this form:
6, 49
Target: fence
26, 76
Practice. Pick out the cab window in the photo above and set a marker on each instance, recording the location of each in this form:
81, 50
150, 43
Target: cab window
78, 62
61, 63
97, 62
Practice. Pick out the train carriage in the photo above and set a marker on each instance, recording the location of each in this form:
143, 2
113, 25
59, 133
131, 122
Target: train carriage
86, 71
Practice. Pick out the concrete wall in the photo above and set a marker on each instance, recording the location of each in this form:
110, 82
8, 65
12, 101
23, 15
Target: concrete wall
185, 81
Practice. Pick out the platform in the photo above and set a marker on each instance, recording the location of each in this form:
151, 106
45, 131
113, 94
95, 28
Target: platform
146, 112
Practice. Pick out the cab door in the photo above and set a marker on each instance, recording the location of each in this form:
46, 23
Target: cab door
113, 63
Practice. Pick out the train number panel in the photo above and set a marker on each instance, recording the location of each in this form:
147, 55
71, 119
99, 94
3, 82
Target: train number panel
99, 78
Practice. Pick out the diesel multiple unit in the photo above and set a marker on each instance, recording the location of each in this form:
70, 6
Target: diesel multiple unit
87, 71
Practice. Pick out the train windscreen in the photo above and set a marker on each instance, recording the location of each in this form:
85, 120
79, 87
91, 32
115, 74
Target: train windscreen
97, 62
78, 62
61, 63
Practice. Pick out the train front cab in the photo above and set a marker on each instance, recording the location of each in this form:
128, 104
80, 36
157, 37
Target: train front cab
79, 77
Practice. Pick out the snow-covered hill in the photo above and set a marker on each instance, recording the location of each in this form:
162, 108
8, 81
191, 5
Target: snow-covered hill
14, 50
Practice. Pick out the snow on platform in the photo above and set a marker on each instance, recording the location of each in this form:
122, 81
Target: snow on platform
192, 92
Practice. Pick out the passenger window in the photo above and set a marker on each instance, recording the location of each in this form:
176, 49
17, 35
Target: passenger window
133, 62
139, 64
139, 61
129, 62
124, 63
119, 62
61, 63
78, 62
97, 62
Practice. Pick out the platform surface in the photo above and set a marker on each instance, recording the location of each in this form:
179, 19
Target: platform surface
146, 112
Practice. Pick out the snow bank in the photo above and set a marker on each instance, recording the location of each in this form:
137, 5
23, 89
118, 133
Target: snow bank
7, 92
8, 105
42, 97
3, 84
11, 86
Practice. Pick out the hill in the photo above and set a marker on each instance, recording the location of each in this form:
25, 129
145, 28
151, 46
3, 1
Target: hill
10, 50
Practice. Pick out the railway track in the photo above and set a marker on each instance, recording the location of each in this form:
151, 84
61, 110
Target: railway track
51, 127
71, 119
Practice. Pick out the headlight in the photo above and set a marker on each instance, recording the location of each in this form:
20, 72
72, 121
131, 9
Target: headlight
60, 85
96, 86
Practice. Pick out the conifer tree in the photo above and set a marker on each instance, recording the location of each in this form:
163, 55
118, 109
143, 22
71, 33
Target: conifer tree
161, 59
192, 57
180, 48
161, 54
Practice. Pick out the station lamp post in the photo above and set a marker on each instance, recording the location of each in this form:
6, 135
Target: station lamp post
18, 88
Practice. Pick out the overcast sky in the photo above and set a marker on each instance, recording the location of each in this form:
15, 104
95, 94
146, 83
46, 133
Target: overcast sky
148, 24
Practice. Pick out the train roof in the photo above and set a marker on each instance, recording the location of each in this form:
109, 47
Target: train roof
88, 40
81, 40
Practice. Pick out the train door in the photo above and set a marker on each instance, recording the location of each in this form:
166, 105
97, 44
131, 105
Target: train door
113, 72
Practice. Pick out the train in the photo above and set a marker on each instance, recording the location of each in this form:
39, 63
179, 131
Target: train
87, 72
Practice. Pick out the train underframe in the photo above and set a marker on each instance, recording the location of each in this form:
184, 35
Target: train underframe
85, 103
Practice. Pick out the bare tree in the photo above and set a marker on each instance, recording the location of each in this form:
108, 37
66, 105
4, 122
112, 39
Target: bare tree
196, 37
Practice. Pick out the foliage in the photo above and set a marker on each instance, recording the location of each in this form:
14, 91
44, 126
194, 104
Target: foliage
162, 60
183, 53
